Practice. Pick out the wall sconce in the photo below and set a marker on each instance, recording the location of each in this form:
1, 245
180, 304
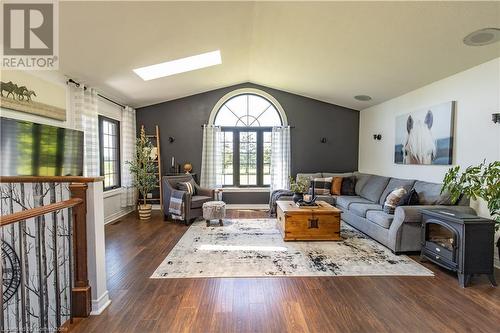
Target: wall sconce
171, 139
495, 117
377, 137
323, 140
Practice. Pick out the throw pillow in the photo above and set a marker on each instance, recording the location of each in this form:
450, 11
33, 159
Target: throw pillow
393, 199
336, 186
409, 199
322, 186
348, 186
189, 187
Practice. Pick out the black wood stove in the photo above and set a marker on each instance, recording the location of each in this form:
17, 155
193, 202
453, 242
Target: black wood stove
460, 242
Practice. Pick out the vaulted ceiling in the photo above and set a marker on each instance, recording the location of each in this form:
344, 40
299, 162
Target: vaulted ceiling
330, 51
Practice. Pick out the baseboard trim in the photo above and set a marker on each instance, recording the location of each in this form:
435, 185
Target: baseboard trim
99, 305
118, 215
248, 206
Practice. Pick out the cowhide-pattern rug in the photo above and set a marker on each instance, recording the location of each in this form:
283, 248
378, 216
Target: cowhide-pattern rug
255, 248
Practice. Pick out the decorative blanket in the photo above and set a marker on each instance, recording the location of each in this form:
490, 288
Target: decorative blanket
176, 207
275, 196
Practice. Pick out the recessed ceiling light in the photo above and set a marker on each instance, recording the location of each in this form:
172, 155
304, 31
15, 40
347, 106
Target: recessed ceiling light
362, 98
179, 66
482, 37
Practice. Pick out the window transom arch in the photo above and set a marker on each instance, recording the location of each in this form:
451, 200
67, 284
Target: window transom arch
248, 108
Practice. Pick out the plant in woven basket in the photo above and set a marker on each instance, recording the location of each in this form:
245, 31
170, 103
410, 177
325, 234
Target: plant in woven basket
144, 171
479, 181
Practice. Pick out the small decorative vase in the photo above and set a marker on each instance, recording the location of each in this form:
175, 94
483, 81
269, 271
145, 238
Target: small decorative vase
144, 212
297, 197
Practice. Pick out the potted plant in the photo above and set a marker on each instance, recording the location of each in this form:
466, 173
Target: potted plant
144, 171
298, 188
481, 181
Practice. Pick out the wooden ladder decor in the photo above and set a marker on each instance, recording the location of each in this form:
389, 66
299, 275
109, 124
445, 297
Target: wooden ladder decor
155, 140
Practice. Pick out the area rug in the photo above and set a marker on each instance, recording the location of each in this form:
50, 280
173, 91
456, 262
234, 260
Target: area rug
255, 248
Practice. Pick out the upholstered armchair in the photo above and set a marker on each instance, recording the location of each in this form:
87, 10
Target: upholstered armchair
192, 204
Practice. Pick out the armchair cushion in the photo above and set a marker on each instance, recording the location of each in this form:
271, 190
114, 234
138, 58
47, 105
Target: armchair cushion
206, 192
189, 186
197, 201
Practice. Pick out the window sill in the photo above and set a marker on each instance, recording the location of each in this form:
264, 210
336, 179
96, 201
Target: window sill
112, 193
245, 189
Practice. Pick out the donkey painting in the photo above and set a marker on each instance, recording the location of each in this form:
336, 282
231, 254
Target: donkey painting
419, 146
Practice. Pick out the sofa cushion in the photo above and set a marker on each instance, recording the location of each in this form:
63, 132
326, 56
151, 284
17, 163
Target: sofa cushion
409, 199
348, 185
360, 209
430, 193
374, 187
345, 201
308, 176
336, 185
393, 200
322, 186
378, 217
395, 183
331, 199
336, 174
198, 200
361, 179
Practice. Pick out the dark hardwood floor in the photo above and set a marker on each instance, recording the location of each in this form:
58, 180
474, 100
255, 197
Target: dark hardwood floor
134, 250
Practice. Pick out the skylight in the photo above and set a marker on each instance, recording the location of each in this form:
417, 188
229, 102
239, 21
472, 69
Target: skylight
179, 65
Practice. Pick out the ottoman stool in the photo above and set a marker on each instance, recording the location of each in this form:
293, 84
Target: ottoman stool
214, 210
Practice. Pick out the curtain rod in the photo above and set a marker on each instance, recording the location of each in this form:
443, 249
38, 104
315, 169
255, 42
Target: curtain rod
98, 94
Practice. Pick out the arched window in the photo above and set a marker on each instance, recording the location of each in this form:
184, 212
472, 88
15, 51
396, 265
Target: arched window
248, 110
246, 117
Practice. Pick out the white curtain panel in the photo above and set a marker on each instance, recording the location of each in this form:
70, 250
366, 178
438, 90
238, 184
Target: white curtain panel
84, 105
128, 133
211, 158
280, 158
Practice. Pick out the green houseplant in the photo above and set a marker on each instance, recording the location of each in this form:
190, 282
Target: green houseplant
480, 181
144, 171
299, 187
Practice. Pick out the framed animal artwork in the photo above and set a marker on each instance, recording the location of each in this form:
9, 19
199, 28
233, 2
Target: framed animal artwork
425, 136
24, 92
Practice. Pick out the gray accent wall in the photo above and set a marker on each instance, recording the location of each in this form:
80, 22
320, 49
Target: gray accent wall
182, 119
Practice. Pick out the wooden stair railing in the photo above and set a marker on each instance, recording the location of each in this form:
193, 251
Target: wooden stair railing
80, 296
38, 211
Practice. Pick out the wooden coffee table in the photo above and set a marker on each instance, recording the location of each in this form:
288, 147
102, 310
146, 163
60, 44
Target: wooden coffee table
300, 223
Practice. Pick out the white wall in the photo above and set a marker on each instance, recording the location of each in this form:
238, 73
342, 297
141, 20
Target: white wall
477, 92
112, 203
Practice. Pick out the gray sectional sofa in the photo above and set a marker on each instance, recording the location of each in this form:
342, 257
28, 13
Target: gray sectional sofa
400, 231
